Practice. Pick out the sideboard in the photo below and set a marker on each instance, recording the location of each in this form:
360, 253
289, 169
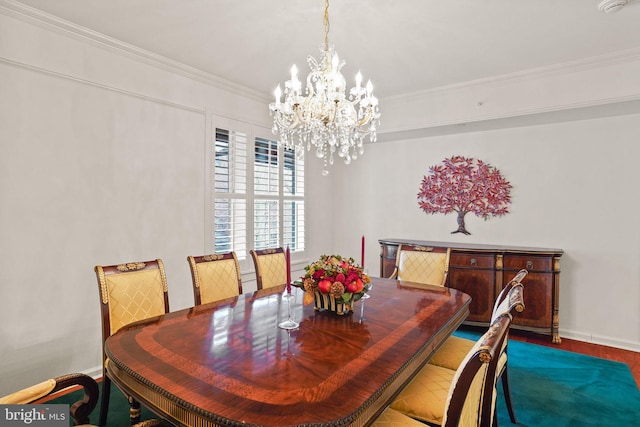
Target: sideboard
482, 270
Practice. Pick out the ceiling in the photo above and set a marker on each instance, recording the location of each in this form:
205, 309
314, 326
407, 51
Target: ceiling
403, 46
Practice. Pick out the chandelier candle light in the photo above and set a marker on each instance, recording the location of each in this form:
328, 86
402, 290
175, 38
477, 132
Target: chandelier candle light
323, 116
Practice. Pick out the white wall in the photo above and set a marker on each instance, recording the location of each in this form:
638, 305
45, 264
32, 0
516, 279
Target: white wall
103, 161
575, 187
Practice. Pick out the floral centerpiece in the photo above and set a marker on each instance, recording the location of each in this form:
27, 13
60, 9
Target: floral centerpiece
334, 283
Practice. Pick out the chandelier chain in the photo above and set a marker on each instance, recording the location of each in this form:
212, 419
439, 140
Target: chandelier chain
326, 24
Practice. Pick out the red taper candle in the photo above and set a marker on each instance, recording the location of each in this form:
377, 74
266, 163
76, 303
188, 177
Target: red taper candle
362, 263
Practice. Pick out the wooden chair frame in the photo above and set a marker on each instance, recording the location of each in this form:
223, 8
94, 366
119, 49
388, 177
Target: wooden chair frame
80, 410
472, 386
260, 279
197, 281
102, 273
422, 249
507, 302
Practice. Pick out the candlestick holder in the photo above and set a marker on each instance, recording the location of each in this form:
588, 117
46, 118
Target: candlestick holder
366, 294
289, 323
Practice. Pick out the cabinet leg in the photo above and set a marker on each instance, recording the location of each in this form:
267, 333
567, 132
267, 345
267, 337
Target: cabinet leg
554, 329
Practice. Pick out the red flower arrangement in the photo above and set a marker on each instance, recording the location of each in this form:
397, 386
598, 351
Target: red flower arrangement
334, 275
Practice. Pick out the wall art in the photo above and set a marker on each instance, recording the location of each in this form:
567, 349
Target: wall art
464, 184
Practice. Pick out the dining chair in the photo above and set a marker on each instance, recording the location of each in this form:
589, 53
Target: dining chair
271, 267
422, 264
79, 410
451, 353
460, 398
128, 293
392, 418
215, 277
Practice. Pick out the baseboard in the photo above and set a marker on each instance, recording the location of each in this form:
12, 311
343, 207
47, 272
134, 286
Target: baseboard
95, 372
601, 340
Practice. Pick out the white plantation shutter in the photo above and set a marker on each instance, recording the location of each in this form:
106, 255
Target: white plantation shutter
293, 202
230, 200
258, 194
266, 175
266, 206
266, 228
231, 226
294, 224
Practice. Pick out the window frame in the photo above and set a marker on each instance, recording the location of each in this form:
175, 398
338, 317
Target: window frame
252, 132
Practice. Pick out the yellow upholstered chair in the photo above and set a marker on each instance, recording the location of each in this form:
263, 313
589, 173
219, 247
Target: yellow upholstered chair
128, 293
392, 418
215, 277
79, 410
452, 352
271, 267
464, 397
421, 264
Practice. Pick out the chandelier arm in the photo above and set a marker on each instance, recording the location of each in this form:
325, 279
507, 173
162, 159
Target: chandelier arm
287, 125
298, 110
367, 118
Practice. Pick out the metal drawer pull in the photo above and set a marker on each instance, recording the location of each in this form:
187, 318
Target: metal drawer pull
529, 265
474, 262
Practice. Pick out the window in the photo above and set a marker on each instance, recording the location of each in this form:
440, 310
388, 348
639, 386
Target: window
230, 201
258, 195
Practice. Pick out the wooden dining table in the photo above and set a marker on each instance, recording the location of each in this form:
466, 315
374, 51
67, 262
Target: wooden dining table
229, 364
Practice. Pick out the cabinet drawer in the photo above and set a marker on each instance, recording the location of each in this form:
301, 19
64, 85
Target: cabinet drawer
471, 260
528, 262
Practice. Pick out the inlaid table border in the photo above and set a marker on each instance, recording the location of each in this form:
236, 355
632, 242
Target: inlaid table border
179, 411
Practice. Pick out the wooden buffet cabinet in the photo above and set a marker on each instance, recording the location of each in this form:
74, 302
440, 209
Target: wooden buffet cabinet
482, 270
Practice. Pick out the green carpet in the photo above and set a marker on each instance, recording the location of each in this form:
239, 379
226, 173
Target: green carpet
549, 387
118, 408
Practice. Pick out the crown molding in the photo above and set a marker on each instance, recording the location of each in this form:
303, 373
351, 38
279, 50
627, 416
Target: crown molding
53, 23
532, 117
110, 88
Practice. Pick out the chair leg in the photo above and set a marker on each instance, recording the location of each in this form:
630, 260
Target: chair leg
104, 401
507, 394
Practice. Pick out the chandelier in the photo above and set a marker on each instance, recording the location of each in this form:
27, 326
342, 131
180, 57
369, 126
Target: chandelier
323, 116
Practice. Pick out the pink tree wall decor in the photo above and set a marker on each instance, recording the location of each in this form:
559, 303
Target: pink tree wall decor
464, 184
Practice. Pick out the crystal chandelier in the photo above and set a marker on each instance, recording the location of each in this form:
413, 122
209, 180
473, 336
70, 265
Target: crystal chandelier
322, 116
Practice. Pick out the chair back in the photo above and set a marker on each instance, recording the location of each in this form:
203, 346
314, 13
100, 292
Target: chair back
506, 301
421, 264
471, 394
271, 267
215, 277
131, 292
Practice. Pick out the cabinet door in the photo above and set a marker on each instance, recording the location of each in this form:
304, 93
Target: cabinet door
538, 288
475, 275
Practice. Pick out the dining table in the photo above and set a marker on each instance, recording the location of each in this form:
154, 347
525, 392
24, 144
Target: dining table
228, 363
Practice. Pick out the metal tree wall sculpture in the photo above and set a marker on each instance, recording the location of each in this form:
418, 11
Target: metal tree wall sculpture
463, 184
